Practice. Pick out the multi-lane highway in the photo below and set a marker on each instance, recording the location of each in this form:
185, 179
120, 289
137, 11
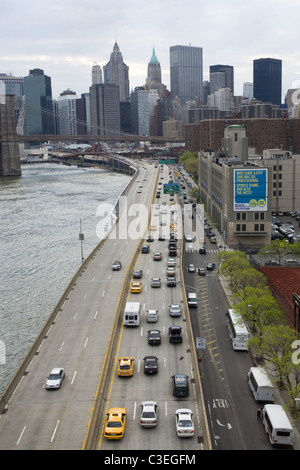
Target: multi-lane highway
85, 332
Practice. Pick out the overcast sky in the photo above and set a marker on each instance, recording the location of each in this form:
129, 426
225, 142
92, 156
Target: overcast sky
66, 37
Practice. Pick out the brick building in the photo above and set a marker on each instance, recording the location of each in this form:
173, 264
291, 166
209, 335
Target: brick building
262, 134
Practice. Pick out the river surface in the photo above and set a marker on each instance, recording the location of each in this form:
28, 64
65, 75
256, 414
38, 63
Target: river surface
41, 214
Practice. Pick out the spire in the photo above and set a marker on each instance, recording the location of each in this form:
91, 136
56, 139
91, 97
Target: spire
153, 59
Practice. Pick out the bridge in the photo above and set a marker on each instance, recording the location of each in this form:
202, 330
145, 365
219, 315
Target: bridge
9, 139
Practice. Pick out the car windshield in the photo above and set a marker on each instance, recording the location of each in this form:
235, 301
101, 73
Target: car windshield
185, 423
54, 377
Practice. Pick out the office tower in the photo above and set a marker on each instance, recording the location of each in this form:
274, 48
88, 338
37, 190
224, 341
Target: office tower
267, 80
186, 73
105, 109
140, 121
67, 113
96, 74
38, 103
154, 69
116, 71
226, 76
248, 90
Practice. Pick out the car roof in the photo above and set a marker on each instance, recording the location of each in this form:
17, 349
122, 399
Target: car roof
56, 370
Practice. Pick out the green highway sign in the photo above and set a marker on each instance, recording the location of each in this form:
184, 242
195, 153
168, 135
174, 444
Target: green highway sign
171, 188
166, 161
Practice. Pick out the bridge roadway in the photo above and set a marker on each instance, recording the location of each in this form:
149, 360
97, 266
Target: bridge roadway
80, 340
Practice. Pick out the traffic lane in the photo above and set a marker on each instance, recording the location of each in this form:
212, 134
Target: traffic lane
172, 359
233, 407
46, 361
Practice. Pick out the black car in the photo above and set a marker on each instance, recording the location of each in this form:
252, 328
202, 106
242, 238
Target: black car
150, 239
202, 251
150, 364
154, 337
175, 335
180, 385
145, 249
171, 282
172, 252
137, 274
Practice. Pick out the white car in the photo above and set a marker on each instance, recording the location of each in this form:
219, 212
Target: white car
175, 310
191, 268
55, 378
149, 411
184, 422
171, 263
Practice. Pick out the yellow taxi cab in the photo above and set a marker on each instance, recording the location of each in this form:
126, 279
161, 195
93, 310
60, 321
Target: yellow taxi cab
153, 227
115, 421
136, 287
125, 366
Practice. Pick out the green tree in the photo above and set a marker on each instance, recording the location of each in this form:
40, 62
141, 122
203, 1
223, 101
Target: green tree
260, 308
275, 347
276, 250
249, 277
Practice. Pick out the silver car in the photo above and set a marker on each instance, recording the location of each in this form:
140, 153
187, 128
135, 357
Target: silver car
149, 411
55, 378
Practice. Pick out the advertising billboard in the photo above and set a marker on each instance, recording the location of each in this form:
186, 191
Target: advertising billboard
250, 192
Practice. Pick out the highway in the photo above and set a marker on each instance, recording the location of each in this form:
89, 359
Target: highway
81, 338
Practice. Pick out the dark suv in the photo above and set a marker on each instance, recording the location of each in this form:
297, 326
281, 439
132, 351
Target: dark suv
150, 364
180, 385
175, 335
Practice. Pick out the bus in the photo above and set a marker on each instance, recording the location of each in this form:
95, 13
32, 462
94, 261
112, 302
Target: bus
277, 425
238, 331
260, 385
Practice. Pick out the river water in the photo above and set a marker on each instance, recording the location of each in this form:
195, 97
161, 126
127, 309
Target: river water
42, 213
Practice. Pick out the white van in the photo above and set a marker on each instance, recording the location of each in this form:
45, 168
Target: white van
132, 314
260, 385
277, 425
192, 300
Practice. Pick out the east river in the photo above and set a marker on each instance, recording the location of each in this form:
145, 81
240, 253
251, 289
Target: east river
42, 213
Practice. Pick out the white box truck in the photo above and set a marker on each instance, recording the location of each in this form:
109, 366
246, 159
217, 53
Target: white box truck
132, 314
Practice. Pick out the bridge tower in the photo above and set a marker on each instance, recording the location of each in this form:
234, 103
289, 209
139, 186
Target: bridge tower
10, 164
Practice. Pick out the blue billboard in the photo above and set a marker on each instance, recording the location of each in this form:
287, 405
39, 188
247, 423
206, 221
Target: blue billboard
250, 192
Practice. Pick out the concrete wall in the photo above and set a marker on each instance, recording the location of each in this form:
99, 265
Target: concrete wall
9, 149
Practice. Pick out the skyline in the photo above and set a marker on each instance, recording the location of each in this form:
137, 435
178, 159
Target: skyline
66, 38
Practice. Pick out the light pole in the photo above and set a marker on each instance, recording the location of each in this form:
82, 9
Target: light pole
81, 238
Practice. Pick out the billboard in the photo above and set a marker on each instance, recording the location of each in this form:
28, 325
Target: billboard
250, 191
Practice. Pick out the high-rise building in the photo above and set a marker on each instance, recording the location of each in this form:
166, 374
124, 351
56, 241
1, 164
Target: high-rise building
267, 80
116, 71
225, 76
96, 74
105, 109
140, 122
38, 103
14, 86
67, 113
154, 69
186, 73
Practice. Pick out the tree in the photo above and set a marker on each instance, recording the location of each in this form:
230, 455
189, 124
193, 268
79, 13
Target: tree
232, 264
277, 250
260, 308
275, 347
249, 277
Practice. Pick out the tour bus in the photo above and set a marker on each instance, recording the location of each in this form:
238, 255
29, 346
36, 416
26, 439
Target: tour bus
277, 425
132, 314
238, 331
260, 385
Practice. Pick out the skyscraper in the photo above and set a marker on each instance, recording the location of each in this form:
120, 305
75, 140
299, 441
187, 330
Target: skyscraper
105, 109
186, 73
38, 103
267, 80
154, 69
96, 74
140, 120
116, 71
225, 75
67, 117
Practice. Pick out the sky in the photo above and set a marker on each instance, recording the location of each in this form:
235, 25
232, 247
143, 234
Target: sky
66, 37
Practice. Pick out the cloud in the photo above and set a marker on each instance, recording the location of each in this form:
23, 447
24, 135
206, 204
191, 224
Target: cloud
66, 37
